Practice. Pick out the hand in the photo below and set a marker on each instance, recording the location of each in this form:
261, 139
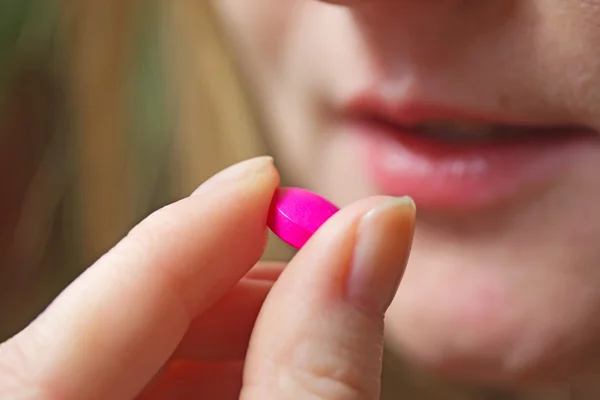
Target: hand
178, 309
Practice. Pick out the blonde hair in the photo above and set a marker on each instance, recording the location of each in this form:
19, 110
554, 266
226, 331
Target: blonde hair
208, 118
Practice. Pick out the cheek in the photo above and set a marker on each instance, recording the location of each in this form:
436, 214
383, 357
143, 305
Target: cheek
265, 35
258, 27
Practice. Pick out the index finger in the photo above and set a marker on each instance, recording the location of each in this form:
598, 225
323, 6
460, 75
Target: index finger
108, 333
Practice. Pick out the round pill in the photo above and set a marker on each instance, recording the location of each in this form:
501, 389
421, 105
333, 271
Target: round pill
296, 214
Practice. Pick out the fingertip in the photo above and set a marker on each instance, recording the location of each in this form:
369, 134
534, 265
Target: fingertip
382, 247
249, 198
263, 165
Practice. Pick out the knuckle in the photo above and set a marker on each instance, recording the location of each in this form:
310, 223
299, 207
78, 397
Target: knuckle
143, 239
13, 360
325, 382
144, 243
156, 240
326, 372
154, 228
337, 358
14, 382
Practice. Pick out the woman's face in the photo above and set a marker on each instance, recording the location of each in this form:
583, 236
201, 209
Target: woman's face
486, 113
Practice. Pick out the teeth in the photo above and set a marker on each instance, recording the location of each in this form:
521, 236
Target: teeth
454, 129
460, 168
402, 161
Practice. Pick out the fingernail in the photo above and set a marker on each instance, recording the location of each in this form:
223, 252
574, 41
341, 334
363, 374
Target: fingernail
235, 172
384, 238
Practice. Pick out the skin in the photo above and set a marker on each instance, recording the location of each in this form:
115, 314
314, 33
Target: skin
510, 293
172, 313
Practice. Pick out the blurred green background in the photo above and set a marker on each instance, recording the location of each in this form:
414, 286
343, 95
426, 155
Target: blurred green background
86, 143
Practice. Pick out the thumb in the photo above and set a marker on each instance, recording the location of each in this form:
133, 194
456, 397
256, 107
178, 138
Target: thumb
320, 332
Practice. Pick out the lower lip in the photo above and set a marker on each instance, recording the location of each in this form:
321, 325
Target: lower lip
448, 176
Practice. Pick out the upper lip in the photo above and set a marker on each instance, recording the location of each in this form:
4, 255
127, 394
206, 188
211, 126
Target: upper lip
401, 112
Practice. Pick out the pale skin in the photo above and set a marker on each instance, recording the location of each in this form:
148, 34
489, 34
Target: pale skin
173, 312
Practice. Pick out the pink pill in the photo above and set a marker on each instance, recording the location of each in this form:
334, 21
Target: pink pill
296, 214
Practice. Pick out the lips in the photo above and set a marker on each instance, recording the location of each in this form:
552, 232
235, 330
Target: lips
453, 160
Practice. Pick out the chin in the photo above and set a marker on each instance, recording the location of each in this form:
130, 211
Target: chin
486, 327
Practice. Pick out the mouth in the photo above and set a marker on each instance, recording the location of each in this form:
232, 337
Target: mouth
460, 133
449, 159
